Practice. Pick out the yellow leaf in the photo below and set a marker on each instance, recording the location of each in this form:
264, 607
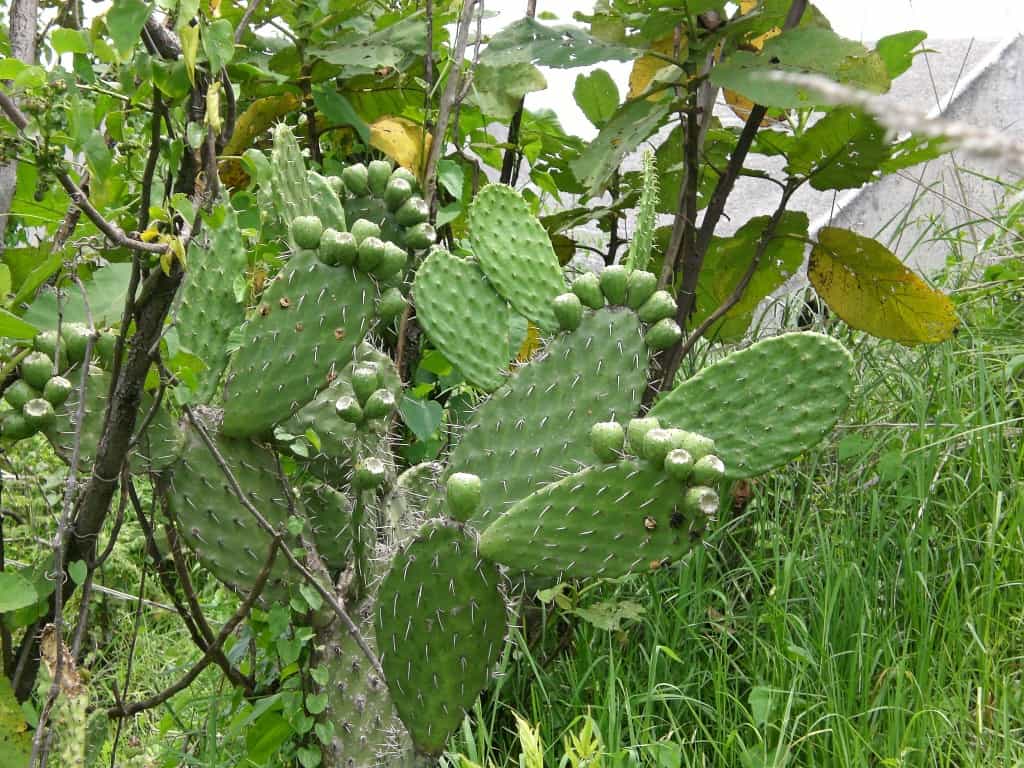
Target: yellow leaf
741, 105
530, 344
213, 106
260, 115
870, 289
402, 140
151, 234
189, 36
647, 66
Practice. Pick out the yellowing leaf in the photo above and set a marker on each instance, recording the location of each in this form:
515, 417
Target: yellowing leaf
190, 49
260, 115
402, 140
15, 740
647, 66
741, 105
530, 344
870, 289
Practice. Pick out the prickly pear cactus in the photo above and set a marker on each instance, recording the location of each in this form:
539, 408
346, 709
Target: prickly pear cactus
766, 404
289, 186
390, 200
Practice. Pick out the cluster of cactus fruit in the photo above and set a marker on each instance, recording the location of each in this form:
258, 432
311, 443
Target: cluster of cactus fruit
556, 474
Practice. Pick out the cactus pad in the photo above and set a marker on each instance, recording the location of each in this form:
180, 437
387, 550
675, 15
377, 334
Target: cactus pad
305, 329
329, 514
766, 404
440, 628
288, 182
602, 521
463, 316
515, 253
537, 426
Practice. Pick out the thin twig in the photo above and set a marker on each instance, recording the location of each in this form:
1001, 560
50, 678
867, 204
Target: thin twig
243, 23
510, 162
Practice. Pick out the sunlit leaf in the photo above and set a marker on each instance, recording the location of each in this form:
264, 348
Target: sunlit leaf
402, 140
124, 21
647, 66
898, 51
870, 289
15, 592
597, 96
529, 41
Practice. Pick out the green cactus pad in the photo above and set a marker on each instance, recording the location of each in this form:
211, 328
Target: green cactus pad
209, 310
463, 316
329, 514
766, 404
325, 202
214, 523
515, 253
538, 426
440, 628
289, 183
602, 521
308, 322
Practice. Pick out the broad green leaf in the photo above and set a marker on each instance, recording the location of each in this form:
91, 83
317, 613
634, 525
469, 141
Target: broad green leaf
843, 150
11, 67
804, 50
631, 124
13, 327
451, 176
98, 155
608, 615
871, 290
564, 47
422, 417
15, 740
498, 90
15, 592
5, 282
125, 20
396, 46
39, 274
106, 292
597, 96
69, 41
338, 111
219, 44
898, 51
729, 258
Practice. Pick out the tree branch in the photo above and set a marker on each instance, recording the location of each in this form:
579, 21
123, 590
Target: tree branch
510, 162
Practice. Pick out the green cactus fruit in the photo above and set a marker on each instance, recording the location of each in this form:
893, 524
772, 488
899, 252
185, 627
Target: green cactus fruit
604, 521
659, 442
538, 425
356, 180
325, 202
57, 390
708, 470
106, 345
607, 438
660, 306
363, 228
440, 628
378, 174
515, 253
365, 379
369, 473
14, 426
369, 253
663, 334
463, 317
36, 369
412, 212
407, 176
46, 342
568, 310
76, 339
636, 431
380, 404
338, 186
679, 464
463, 494
306, 231
640, 286
613, 280
19, 393
310, 320
39, 414
391, 263
329, 514
420, 237
766, 404
588, 288
398, 191
348, 409
392, 304
337, 248
289, 183
700, 500
216, 525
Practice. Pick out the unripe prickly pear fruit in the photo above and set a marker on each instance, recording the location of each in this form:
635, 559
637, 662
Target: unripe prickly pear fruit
568, 311
337, 248
57, 390
369, 253
679, 464
379, 404
636, 431
659, 442
700, 500
19, 393
39, 414
15, 426
362, 229
105, 346
36, 369
46, 342
412, 212
337, 184
76, 338
640, 285
613, 283
348, 409
306, 231
607, 438
365, 381
420, 237
708, 470
392, 304
698, 445
588, 288
391, 262
369, 473
464, 491
405, 175
355, 178
378, 174
658, 307
663, 334
396, 193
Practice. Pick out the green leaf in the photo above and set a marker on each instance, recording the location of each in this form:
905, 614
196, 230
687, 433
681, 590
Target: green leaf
527, 41
804, 50
106, 292
98, 155
630, 125
729, 258
898, 51
11, 67
69, 41
760, 700
610, 614
451, 177
15, 740
870, 289
422, 417
16, 592
125, 20
266, 736
316, 703
309, 757
597, 96
219, 44
498, 90
338, 110
78, 571
843, 150
13, 327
